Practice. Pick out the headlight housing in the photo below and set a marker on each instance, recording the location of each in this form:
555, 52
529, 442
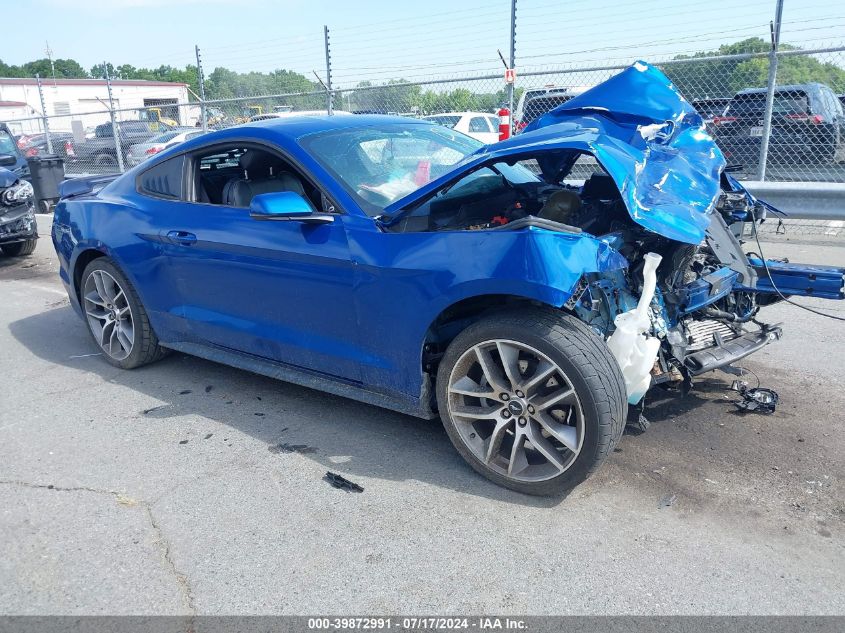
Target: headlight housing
19, 193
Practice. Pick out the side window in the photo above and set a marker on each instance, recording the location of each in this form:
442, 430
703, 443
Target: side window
233, 176
163, 180
493, 121
479, 124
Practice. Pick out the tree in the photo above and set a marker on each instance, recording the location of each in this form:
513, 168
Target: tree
723, 78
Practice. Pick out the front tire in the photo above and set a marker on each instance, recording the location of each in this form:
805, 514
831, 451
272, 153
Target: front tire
532, 399
116, 318
19, 249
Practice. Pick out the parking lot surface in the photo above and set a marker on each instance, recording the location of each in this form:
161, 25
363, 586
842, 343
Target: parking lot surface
190, 487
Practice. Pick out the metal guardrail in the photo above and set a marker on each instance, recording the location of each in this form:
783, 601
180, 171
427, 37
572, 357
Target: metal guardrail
802, 200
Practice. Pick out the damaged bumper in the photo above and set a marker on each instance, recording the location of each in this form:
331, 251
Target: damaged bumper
17, 224
725, 352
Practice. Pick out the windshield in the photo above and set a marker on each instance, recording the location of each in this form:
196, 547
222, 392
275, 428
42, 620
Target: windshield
380, 164
538, 106
7, 144
163, 138
754, 104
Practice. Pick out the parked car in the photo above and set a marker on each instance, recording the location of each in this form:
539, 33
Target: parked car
36, 145
139, 152
808, 125
709, 109
536, 106
479, 125
519, 115
9, 147
18, 228
100, 151
408, 266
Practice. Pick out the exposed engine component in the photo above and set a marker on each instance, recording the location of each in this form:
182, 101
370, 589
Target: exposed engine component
633, 348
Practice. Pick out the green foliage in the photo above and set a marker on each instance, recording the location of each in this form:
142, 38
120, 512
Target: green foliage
723, 78
398, 96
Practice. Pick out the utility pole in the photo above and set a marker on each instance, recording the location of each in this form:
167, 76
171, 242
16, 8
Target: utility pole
114, 127
770, 92
201, 81
44, 118
512, 58
49, 52
329, 108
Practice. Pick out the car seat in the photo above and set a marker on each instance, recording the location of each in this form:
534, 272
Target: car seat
263, 173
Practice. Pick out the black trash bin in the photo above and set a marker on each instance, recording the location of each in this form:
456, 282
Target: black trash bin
46, 173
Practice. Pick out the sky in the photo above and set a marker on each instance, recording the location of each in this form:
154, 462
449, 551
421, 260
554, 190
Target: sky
377, 40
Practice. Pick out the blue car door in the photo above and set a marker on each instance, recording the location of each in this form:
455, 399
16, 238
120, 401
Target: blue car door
280, 290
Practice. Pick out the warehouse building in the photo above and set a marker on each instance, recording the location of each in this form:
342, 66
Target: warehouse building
86, 102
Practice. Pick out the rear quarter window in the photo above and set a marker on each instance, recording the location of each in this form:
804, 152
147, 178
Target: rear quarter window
164, 180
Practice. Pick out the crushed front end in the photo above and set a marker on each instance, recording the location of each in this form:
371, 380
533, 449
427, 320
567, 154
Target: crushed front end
17, 210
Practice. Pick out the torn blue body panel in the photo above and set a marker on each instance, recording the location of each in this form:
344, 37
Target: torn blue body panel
403, 281
654, 146
707, 290
645, 135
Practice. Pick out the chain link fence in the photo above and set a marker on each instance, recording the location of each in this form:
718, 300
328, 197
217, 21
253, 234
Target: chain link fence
806, 143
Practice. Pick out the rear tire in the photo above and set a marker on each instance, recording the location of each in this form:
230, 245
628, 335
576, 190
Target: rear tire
116, 318
551, 402
19, 249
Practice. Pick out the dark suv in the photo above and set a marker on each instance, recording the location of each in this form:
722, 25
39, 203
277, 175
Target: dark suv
807, 124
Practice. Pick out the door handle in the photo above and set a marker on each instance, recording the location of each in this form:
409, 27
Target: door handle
182, 237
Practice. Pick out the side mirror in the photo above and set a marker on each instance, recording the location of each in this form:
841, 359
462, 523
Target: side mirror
7, 160
286, 205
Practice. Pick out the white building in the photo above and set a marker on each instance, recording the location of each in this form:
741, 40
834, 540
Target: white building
86, 101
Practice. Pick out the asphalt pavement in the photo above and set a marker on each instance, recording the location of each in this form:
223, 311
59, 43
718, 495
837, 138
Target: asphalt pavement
190, 487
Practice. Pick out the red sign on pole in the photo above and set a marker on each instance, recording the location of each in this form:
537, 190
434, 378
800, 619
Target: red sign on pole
510, 75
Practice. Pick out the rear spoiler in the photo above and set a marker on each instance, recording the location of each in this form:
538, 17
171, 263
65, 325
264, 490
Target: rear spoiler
84, 185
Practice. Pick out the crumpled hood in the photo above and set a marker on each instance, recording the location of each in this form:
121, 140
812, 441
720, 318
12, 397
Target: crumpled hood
642, 131
653, 144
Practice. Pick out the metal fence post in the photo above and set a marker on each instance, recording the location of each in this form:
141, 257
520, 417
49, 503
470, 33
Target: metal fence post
329, 107
114, 127
44, 118
201, 82
512, 60
770, 93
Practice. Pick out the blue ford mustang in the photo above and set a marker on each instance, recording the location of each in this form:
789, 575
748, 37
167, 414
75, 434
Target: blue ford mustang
403, 264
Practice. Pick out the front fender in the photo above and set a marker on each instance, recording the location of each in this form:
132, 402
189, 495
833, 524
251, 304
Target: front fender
404, 281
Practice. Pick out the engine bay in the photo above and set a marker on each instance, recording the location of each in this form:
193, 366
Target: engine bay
489, 199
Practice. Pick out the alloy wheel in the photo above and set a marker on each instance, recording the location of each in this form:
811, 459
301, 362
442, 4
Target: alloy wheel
516, 410
109, 314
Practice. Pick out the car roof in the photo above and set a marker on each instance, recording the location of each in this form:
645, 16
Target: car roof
793, 87
294, 127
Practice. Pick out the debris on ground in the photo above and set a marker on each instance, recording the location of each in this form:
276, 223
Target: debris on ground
666, 501
637, 423
341, 483
756, 399
148, 411
208, 436
291, 448
184, 392
183, 441
209, 388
